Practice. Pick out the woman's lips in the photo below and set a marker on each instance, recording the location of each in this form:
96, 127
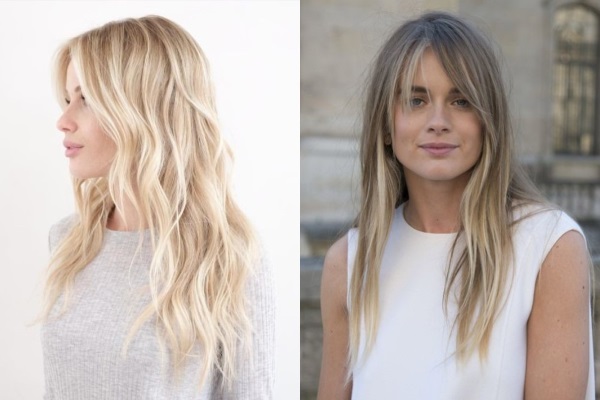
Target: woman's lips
438, 149
71, 149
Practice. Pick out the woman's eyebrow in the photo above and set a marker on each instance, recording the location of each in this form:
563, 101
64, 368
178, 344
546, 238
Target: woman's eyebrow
421, 89
418, 89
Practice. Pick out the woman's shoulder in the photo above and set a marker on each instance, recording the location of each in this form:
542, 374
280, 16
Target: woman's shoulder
335, 275
337, 255
60, 229
335, 264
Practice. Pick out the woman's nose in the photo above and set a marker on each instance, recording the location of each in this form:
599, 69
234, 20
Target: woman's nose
66, 123
439, 121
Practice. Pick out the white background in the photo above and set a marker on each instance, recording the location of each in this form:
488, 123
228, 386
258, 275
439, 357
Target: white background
254, 51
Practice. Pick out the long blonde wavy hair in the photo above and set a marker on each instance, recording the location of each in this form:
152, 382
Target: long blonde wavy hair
148, 83
496, 187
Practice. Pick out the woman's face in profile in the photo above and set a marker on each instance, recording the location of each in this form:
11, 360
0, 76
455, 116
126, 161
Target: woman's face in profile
438, 138
89, 149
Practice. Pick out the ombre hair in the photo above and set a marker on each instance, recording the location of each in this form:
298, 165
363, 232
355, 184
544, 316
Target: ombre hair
148, 83
477, 279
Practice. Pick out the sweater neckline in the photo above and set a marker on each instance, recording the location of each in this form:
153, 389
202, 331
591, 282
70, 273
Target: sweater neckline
126, 235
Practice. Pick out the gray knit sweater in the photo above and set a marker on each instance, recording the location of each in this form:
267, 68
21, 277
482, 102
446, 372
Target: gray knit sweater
82, 348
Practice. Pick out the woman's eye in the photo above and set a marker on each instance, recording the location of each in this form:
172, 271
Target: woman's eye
462, 103
416, 102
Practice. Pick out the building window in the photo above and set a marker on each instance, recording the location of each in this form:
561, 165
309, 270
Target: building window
575, 81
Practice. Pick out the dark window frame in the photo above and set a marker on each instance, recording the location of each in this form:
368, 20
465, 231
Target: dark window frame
574, 98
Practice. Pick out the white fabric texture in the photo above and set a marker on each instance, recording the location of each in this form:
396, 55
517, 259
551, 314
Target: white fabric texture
413, 354
82, 348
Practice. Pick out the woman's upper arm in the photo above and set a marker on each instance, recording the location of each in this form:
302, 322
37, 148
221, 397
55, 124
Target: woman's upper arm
558, 327
334, 312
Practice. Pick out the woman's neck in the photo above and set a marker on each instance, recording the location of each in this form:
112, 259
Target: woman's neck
125, 218
434, 207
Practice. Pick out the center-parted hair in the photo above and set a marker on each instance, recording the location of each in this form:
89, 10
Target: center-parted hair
478, 273
148, 83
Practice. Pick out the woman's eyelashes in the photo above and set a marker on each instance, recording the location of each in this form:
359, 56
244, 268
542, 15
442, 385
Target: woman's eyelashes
68, 101
416, 102
462, 103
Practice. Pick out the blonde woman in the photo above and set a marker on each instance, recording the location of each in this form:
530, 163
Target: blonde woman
459, 281
156, 287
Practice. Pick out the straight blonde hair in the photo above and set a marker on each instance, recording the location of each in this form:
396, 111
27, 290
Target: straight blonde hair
148, 82
496, 187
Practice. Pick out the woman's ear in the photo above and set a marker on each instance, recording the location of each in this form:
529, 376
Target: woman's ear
387, 139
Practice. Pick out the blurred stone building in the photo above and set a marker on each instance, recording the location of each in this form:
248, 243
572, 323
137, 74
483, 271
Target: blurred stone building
552, 62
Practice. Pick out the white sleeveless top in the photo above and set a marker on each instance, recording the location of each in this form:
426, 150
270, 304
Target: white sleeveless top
413, 354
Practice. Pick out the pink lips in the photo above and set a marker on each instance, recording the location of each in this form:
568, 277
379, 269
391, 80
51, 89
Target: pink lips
438, 149
72, 149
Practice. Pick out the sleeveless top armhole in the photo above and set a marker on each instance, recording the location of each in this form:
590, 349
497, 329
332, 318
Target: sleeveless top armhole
533, 238
352, 246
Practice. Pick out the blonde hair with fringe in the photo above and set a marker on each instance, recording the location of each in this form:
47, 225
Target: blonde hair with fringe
148, 83
478, 278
